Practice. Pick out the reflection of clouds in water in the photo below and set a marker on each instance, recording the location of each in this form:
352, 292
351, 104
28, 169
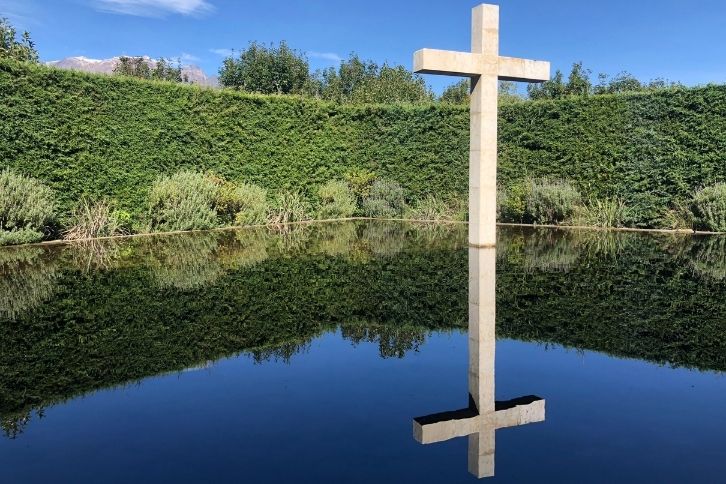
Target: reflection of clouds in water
28, 278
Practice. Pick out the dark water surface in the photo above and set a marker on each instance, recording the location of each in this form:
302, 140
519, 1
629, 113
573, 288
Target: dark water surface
306, 354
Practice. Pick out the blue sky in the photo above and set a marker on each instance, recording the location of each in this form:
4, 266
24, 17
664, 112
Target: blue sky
678, 40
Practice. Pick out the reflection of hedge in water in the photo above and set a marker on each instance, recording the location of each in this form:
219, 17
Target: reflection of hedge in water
271, 297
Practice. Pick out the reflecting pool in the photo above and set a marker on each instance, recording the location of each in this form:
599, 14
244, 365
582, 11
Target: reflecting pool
365, 352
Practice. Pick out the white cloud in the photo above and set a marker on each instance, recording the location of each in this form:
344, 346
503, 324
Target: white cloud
328, 56
154, 8
188, 57
222, 52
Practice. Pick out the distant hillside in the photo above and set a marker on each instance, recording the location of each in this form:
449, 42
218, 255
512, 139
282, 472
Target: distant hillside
105, 66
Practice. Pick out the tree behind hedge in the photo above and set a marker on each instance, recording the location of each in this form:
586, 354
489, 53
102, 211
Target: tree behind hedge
11, 47
266, 70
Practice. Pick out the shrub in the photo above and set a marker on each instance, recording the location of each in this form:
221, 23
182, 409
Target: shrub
360, 182
336, 200
604, 213
289, 207
512, 202
183, 201
251, 205
551, 201
709, 208
386, 200
26, 208
91, 220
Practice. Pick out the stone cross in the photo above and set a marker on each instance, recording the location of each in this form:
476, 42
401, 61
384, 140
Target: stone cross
485, 67
484, 415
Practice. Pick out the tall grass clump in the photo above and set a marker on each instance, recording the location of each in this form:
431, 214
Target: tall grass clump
183, 201
709, 208
604, 213
435, 209
26, 209
551, 201
386, 200
289, 207
336, 200
96, 219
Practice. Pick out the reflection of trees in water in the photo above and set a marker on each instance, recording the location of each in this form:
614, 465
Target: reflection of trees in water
28, 278
393, 341
14, 425
283, 352
185, 261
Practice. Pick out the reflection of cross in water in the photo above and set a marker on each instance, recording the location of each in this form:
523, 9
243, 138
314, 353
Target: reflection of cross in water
484, 415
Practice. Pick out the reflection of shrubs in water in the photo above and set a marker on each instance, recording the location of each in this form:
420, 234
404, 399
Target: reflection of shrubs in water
706, 255
28, 277
94, 255
291, 239
186, 261
393, 341
247, 248
385, 238
14, 425
550, 251
335, 239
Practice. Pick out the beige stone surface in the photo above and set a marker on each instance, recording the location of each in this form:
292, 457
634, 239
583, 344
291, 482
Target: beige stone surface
485, 67
484, 415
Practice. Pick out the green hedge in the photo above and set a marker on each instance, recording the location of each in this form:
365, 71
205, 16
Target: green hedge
108, 136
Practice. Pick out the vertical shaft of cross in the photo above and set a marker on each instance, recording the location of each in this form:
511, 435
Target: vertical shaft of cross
483, 128
482, 343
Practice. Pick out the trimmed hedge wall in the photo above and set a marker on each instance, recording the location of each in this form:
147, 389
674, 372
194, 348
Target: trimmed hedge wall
108, 136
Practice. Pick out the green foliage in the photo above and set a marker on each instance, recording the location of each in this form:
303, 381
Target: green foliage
435, 209
603, 213
11, 47
266, 69
386, 200
579, 84
336, 200
145, 68
251, 205
96, 219
360, 182
512, 202
19, 237
26, 208
183, 201
551, 201
361, 81
709, 208
457, 93
112, 136
290, 206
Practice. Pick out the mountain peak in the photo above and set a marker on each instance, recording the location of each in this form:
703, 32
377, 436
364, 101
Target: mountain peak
106, 66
